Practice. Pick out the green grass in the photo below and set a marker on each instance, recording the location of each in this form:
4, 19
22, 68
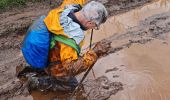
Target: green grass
11, 3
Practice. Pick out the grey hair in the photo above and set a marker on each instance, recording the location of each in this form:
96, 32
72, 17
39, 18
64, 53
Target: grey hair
95, 11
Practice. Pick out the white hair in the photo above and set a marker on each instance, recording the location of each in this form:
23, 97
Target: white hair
95, 11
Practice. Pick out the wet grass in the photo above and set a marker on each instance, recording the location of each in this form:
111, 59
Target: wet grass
11, 3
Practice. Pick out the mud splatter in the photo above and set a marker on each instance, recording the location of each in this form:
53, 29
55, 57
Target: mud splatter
10, 90
110, 70
15, 23
101, 88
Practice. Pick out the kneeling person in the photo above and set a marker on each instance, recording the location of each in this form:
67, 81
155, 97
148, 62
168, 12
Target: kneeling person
54, 42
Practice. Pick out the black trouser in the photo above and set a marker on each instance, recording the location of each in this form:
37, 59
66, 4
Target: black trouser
57, 84
40, 80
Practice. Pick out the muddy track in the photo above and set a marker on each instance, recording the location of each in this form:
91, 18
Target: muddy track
16, 21
155, 27
145, 32
101, 88
13, 26
120, 6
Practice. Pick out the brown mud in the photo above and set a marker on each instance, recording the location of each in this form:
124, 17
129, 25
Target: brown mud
101, 88
115, 7
139, 54
129, 39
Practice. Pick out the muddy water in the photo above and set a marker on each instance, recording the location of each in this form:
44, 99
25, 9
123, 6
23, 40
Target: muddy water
121, 23
143, 69
146, 72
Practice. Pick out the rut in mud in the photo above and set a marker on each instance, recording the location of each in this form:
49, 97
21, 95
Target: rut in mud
145, 32
120, 6
11, 35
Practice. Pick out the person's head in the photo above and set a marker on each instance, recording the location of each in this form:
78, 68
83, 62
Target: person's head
92, 15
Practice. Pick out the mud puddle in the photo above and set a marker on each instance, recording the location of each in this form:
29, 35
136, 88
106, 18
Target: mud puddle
142, 64
145, 72
142, 68
119, 24
131, 62
140, 58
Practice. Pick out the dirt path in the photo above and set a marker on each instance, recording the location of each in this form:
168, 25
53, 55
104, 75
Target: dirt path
13, 25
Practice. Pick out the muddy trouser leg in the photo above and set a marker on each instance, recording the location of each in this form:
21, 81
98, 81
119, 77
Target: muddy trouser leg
29, 70
65, 84
54, 84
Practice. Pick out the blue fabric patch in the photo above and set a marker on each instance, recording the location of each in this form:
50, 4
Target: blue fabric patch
36, 44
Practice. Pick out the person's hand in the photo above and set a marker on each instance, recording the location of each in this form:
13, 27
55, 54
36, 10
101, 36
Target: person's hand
102, 47
90, 57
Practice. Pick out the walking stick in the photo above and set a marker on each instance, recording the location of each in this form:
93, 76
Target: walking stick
91, 38
85, 75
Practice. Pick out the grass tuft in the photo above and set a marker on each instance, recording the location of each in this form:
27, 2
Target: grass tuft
11, 3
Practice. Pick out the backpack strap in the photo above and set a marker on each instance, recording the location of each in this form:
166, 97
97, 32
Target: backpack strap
68, 41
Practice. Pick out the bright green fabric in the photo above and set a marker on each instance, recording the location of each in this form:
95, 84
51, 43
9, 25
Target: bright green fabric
68, 41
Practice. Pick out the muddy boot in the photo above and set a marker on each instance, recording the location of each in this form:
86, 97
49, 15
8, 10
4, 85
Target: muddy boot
65, 84
33, 83
73, 83
45, 84
29, 70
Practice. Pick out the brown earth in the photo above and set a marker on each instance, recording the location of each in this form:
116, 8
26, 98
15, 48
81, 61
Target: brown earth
14, 23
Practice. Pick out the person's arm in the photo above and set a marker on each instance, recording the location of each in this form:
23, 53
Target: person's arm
75, 67
72, 66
